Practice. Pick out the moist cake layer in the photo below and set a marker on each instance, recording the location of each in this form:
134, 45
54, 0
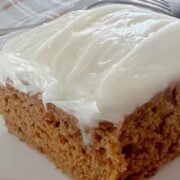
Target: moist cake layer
148, 138
96, 64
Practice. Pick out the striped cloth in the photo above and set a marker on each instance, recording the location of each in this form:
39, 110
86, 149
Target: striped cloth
15, 13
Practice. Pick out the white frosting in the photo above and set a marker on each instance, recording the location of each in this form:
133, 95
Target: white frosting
97, 64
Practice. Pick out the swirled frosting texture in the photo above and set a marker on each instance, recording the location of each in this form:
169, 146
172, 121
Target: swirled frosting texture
97, 64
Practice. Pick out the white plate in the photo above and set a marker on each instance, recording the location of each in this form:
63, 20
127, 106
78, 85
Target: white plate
19, 162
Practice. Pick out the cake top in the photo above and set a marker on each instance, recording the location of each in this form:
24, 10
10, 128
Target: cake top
97, 64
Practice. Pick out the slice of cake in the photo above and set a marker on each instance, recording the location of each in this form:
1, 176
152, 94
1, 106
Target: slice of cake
97, 91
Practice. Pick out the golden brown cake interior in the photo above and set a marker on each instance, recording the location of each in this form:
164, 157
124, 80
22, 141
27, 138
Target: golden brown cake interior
148, 138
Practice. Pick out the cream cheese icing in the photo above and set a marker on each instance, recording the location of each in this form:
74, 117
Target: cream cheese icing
97, 64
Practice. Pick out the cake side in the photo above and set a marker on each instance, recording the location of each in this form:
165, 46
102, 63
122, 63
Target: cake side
148, 138
54, 133
151, 135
